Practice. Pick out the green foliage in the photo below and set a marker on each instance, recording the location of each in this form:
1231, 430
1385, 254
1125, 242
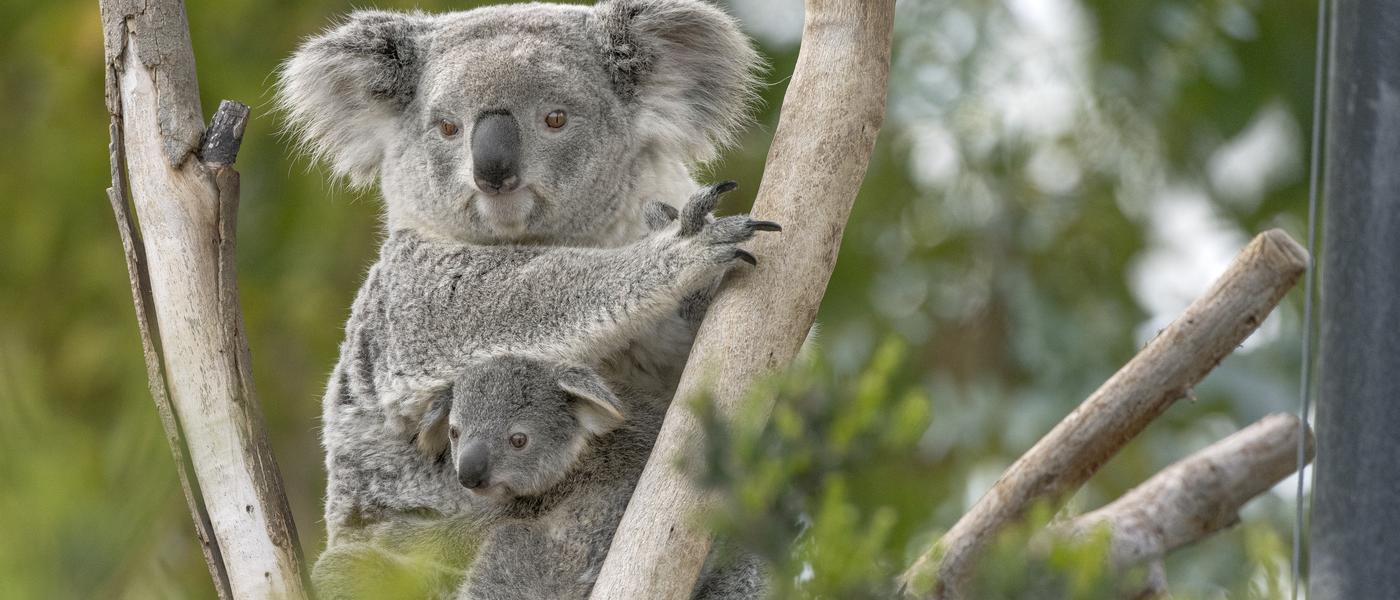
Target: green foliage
816, 490
831, 493
1024, 563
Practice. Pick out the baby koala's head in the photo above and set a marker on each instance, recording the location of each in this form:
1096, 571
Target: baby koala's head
516, 426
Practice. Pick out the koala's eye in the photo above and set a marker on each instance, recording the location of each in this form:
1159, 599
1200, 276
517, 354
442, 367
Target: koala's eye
518, 440
453, 432
448, 128
556, 119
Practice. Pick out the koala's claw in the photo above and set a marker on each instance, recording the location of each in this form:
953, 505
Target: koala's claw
765, 226
717, 236
701, 204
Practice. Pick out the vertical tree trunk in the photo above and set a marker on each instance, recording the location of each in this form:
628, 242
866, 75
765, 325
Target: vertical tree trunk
182, 271
830, 118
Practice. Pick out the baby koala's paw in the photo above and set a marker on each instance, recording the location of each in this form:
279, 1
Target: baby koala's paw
715, 239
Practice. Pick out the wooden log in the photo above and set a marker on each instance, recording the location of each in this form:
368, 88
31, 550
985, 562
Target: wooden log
830, 118
1171, 364
183, 283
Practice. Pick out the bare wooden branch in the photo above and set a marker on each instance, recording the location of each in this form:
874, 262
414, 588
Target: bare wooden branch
1198, 495
183, 282
830, 118
1164, 371
135, 254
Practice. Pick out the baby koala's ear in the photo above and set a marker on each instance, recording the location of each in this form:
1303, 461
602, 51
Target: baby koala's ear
342, 89
432, 427
686, 65
597, 408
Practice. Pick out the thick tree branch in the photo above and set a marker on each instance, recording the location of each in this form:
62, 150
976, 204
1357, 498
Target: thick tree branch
1164, 371
183, 285
1199, 495
830, 117
135, 254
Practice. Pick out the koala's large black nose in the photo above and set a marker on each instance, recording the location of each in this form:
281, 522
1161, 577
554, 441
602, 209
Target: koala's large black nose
473, 465
496, 153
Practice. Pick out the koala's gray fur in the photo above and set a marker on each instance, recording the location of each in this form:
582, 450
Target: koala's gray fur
557, 498
427, 308
651, 88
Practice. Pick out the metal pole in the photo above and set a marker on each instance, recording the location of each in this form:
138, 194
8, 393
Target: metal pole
1355, 529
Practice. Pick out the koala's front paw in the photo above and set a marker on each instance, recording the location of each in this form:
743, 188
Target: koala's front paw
717, 239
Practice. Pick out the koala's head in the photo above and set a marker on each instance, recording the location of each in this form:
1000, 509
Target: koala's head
516, 426
520, 123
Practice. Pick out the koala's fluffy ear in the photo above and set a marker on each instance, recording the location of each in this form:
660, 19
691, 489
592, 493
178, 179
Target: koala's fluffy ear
343, 89
432, 427
688, 67
598, 409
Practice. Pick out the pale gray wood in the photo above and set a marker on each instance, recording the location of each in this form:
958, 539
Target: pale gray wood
135, 254
1198, 495
181, 268
830, 117
167, 55
1164, 371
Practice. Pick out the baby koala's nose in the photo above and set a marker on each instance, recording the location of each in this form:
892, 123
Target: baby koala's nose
473, 468
496, 153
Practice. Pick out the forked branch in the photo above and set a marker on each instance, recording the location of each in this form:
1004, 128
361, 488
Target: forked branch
1164, 371
1199, 495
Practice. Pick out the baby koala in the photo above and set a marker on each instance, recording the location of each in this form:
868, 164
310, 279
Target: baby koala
554, 454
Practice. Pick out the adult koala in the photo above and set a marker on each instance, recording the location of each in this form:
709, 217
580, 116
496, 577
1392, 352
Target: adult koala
530, 124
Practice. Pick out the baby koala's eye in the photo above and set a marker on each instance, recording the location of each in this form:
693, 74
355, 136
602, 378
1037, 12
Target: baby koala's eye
556, 119
448, 128
518, 440
454, 432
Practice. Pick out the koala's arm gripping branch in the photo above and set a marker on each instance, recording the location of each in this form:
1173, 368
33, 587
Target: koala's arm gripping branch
181, 265
831, 115
456, 302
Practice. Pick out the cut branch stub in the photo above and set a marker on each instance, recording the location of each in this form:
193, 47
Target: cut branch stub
1171, 364
225, 134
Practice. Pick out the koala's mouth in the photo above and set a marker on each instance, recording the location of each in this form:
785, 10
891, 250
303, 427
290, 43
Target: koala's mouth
496, 491
506, 214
